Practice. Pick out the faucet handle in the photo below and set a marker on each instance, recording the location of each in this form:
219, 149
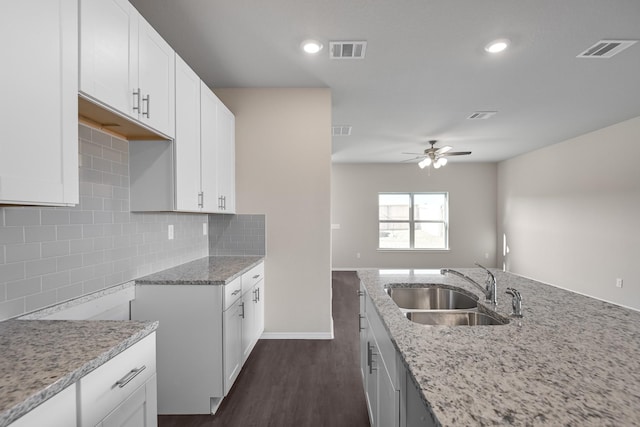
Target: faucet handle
516, 302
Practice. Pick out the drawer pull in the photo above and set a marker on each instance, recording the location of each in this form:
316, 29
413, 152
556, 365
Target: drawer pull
131, 375
256, 276
235, 292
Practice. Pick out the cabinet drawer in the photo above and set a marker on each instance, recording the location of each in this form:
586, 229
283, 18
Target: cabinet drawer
251, 277
232, 292
108, 386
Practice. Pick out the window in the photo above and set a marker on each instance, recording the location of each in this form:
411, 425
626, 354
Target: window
413, 221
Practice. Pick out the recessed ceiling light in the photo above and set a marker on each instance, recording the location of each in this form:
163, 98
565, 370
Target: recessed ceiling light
311, 46
497, 46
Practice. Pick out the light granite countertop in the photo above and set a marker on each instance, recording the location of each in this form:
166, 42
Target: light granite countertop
570, 361
39, 358
212, 270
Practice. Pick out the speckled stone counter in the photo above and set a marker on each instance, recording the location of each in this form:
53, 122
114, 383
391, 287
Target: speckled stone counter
570, 361
213, 270
39, 358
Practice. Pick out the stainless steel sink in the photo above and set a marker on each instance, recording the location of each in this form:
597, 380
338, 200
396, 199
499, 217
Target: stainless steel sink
430, 298
454, 318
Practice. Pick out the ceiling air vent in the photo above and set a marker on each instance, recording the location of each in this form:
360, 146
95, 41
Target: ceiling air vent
606, 48
481, 115
340, 130
347, 50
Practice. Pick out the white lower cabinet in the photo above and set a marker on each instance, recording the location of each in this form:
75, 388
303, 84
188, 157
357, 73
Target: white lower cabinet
59, 411
122, 392
232, 321
200, 340
119, 393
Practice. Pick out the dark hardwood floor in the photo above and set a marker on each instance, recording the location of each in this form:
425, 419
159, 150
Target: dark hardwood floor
298, 382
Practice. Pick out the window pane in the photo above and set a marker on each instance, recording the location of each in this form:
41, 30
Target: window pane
394, 235
394, 206
430, 207
430, 236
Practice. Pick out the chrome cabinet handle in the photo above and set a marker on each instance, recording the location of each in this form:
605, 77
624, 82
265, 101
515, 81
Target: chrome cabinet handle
130, 376
235, 292
136, 96
359, 293
255, 295
147, 99
258, 290
201, 199
256, 276
360, 317
370, 355
242, 314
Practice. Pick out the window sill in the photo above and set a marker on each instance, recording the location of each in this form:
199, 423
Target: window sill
412, 250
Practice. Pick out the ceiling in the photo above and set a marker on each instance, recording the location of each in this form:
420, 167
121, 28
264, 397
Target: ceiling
425, 69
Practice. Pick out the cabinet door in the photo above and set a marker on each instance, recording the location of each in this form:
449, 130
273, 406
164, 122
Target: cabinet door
388, 400
226, 159
371, 378
156, 80
59, 411
137, 410
248, 323
187, 144
208, 147
363, 335
39, 105
259, 310
232, 343
108, 33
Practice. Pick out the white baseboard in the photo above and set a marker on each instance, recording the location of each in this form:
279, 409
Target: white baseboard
297, 336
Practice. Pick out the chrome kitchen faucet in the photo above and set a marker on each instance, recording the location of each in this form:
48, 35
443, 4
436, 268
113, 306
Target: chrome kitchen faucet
490, 288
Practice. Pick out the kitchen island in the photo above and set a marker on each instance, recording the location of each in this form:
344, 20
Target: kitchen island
571, 360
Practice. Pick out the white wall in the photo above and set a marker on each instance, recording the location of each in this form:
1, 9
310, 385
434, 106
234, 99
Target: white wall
472, 213
571, 213
283, 170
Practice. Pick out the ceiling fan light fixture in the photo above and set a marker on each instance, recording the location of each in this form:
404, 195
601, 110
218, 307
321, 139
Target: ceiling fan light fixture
424, 163
311, 46
443, 161
497, 46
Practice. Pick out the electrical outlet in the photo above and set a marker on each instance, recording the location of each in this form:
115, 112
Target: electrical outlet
205, 228
170, 232
619, 283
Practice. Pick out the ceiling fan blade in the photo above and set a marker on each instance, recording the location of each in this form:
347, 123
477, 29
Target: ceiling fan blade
456, 153
412, 159
415, 154
443, 150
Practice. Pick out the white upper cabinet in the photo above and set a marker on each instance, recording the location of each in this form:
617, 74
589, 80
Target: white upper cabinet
187, 147
125, 65
226, 159
38, 106
209, 148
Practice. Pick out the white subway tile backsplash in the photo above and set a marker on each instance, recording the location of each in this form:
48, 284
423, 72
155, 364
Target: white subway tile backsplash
22, 216
56, 280
11, 235
26, 252
46, 233
22, 288
50, 255
40, 267
11, 272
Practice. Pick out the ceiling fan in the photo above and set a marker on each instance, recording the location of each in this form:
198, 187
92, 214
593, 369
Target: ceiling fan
436, 156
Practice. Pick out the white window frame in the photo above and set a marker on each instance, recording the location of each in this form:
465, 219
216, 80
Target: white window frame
411, 221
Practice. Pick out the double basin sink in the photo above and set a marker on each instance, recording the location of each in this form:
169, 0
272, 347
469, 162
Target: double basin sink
437, 305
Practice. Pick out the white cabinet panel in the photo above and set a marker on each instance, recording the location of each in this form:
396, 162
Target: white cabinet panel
125, 65
226, 159
187, 145
39, 107
232, 343
138, 410
209, 148
156, 79
108, 34
107, 387
59, 411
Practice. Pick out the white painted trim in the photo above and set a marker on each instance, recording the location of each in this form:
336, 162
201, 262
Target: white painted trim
297, 336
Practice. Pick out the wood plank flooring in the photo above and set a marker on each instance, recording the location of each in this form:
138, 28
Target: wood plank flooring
312, 383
